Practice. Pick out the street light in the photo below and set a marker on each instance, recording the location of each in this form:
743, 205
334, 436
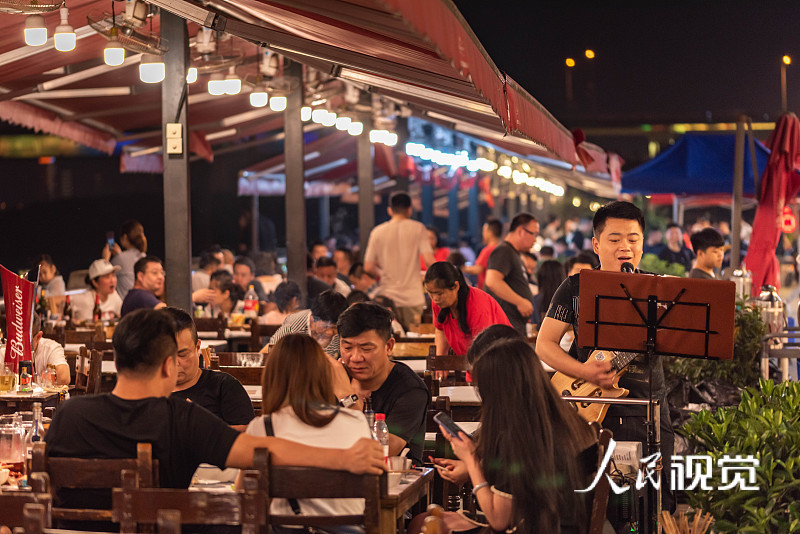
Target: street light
589, 53
570, 63
785, 61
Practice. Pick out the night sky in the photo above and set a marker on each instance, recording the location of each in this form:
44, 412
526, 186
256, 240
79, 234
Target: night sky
656, 61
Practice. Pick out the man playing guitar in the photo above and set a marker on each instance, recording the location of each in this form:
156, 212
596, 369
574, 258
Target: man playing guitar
618, 239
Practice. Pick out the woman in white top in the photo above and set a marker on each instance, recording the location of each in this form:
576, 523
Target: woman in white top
298, 396
102, 282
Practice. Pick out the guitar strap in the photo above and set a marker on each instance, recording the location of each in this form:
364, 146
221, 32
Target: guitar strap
271, 433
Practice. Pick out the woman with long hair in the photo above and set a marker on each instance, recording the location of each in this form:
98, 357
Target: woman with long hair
532, 450
460, 312
300, 404
550, 275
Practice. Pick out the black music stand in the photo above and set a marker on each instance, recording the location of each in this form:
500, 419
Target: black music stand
656, 315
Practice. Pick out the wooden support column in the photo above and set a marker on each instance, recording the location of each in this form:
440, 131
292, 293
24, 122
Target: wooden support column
474, 213
452, 215
324, 217
427, 202
738, 183
366, 187
255, 225
177, 201
293, 149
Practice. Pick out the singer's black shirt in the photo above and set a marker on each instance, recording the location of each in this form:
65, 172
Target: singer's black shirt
564, 308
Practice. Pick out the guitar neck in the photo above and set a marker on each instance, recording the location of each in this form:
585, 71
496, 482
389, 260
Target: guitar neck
623, 359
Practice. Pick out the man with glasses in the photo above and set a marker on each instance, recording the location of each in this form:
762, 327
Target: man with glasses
319, 322
217, 392
149, 274
506, 277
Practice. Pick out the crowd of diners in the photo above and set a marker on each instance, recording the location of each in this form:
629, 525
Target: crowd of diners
334, 351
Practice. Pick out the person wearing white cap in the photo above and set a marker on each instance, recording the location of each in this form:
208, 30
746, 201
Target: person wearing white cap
102, 282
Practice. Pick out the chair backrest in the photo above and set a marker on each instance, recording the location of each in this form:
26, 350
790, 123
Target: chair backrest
258, 332
100, 345
600, 498
85, 335
454, 365
92, 474
313, 483
248, 376
134, 505
12, 503
211, 324
77, 279
88, 372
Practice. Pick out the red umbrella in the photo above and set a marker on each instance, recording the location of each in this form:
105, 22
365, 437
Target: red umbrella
779, 184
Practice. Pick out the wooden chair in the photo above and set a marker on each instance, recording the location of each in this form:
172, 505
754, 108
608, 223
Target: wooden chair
248, 376
211, 324
94, 474
600, 498
313, 483
438, 447
134, 505
258, 332
12, 503
457, 365
88, 372
101, 345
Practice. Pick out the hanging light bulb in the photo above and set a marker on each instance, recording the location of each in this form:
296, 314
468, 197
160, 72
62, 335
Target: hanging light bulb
217, 84
113, 53
259, 96
233, 84
278, 103
355, 128
152, 69
343, 123
191, 75
329, 119
318, 115
64, 36
305, 114
35, 31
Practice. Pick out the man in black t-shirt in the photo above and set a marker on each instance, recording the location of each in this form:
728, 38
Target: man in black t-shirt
217, 392
618, 238
676, 250
149, 281
506, 277
366, 343
183, 434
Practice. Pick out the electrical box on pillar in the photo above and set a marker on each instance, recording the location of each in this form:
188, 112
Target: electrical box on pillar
174, 141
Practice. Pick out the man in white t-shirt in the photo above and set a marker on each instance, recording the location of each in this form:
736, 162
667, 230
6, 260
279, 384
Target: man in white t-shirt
393, 250
46, 352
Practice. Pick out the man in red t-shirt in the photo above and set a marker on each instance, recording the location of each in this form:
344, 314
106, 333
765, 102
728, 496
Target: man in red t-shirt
492, 232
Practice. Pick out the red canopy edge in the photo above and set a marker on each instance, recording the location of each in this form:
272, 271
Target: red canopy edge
40, 120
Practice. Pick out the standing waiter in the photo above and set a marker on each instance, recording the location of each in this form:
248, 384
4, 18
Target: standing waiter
618, 238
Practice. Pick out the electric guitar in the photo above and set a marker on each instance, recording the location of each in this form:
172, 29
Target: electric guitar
566, 385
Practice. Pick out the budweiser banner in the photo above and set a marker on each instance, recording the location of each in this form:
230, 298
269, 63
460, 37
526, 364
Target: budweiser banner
18, 297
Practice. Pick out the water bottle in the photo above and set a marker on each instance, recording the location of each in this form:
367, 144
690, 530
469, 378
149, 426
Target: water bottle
369, 413
250, 303
381, 433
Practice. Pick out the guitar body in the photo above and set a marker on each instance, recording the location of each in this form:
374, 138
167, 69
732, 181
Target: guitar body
566, 385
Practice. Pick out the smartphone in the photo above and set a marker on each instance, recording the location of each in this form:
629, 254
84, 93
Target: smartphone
448, 424
110, 239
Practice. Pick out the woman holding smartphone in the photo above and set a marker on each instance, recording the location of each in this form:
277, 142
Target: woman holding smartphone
531, 452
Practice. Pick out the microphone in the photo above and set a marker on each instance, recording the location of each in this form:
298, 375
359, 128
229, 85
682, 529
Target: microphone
627, 267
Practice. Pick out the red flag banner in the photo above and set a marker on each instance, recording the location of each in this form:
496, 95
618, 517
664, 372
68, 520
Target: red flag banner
18, 297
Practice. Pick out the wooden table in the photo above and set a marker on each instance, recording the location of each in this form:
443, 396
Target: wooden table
397, 499
23, 402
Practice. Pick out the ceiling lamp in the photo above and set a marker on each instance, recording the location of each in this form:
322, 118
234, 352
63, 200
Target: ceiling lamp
35, 31
355, 128
343, 123
318, 114
233, 84
305, 114
217, 84
152, 69
329, 119
191, 76
278, 103
113, 53
64, 36
259, 96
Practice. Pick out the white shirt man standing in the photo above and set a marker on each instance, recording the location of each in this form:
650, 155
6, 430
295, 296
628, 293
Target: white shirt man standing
393, 250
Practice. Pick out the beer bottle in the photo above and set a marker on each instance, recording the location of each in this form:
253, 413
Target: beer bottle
42, 308
68, 314
97, 315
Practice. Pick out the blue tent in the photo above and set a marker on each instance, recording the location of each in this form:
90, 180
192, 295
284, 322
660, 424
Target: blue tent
698, 163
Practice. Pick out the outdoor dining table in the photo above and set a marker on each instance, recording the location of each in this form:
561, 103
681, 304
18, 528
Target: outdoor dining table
16, 401
399, 498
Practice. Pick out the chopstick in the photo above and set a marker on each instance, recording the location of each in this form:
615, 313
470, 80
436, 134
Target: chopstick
700, 524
